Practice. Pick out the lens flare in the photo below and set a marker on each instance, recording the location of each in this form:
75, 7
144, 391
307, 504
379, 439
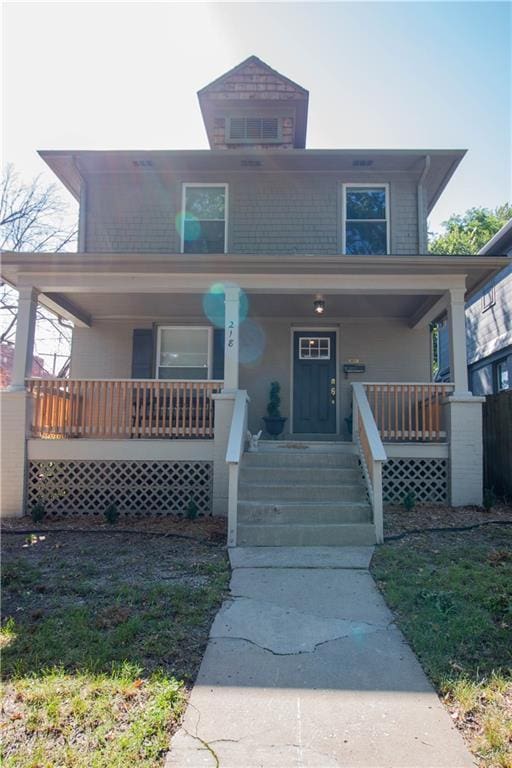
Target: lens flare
213, 304
252, 342
188, 225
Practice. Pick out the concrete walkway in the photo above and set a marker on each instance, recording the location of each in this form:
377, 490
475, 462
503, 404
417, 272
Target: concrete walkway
305, 668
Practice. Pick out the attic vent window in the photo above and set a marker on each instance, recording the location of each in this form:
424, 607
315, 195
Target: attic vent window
248, 129
143, 163
362, 163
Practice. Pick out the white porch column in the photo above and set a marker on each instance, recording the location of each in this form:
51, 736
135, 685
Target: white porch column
457, 331
465, 470
15, 409
231, 324
464, 415
24, 342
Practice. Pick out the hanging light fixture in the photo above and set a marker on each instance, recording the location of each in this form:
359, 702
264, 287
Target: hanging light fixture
319, 305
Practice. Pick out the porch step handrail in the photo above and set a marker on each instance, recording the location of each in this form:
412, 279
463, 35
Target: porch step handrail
371, 453
234, 452
122, 408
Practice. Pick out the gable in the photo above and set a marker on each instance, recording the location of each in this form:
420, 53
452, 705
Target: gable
253, 90
253, 79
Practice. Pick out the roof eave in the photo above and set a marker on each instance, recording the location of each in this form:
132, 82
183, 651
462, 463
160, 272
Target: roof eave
500, 243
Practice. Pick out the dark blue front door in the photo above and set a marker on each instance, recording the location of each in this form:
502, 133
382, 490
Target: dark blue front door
314, 382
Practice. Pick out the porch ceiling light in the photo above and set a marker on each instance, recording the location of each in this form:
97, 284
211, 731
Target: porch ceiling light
319, 306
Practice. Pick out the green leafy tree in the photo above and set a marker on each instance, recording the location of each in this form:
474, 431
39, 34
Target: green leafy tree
469, 232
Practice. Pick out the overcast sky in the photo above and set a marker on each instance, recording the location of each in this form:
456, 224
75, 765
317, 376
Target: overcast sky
125, 75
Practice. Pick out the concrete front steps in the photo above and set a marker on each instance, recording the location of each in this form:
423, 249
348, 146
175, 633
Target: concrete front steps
303, 494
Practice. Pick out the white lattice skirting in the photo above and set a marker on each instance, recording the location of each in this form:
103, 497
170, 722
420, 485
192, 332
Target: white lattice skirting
142, 488
425, 478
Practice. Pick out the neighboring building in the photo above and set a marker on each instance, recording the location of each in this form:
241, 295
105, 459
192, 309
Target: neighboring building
6, 360
488, 326
204, 275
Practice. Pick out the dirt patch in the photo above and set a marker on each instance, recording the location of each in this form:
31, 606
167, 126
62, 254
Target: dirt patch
92, 562
398, 520
209, 528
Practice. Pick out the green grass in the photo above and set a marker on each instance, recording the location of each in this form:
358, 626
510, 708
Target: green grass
98, 649
452, 595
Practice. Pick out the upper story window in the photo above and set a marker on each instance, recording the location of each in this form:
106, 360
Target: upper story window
183, 352
365, 219
252, 129
204, 220
502, 375
488, 298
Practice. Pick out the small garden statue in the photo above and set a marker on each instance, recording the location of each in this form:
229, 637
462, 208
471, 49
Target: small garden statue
253, 441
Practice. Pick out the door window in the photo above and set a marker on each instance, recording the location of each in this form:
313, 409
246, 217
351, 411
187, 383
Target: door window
314, 348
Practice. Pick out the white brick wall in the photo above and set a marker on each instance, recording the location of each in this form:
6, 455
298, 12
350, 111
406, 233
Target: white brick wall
14, 411
464, 419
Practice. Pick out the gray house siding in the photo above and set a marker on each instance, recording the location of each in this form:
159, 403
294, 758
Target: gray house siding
490, 330
268, 213
489, 334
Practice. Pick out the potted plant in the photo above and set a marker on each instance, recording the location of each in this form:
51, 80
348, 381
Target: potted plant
274, 422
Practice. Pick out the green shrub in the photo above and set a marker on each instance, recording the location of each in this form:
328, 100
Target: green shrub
112, 514
409, 501
489, 499
192, 510
37, 511
274, 401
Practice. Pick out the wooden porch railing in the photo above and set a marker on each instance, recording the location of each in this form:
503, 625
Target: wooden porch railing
122, 408
408, 412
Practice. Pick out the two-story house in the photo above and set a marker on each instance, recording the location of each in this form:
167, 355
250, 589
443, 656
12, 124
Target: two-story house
203, 276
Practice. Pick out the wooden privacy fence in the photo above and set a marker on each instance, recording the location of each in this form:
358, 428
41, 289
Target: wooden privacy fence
122, 408
408, 412
497, 438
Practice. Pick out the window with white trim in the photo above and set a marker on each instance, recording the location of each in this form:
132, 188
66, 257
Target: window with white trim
183, 352
204, 219
488, 298
502, 376
365, 219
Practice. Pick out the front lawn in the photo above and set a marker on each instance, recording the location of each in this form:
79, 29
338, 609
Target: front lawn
452, 596
102, 637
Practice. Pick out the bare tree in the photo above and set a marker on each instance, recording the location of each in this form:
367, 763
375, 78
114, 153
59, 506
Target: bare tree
34, 218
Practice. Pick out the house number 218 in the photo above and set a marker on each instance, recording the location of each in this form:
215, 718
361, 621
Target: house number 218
231, 341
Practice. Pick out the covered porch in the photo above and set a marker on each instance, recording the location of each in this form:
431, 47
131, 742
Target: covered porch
368, 380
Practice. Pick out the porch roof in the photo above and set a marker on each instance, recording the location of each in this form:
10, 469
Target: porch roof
68, 282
